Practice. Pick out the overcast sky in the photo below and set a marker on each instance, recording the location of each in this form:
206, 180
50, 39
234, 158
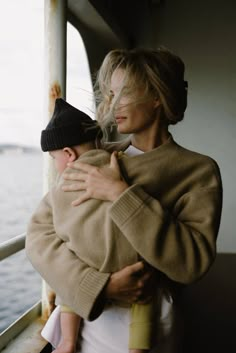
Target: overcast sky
22, 71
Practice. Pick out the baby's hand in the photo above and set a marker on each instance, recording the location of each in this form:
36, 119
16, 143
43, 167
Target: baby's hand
66, 347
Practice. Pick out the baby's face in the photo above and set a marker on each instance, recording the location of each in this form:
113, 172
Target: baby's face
61, 158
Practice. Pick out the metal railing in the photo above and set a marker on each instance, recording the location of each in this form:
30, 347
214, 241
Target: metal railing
12, 246
8, 248
19, 325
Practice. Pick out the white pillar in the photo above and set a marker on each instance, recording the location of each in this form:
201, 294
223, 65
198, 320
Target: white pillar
55, 23
54, 66
55, 45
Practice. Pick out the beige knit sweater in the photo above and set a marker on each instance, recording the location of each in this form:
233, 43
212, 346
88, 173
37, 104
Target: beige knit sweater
170, 216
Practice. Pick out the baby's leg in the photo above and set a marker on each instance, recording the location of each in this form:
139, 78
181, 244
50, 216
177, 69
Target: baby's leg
141, 327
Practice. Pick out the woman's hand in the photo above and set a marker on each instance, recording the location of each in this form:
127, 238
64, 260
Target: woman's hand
133, 284
105, 183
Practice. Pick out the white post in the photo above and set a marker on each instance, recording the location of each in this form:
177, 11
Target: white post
55, 22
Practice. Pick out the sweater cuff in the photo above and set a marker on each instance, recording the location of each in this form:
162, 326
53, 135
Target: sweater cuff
127, 204
87, 302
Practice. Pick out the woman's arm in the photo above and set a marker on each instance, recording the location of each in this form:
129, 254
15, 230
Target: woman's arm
181, 242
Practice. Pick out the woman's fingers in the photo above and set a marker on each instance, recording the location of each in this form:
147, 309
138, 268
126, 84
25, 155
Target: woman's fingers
129, 284
84, 167
81, 199
88, 168
101, 183
114, 162
136, 269
76, 202
145, 282
75, 176
73, 187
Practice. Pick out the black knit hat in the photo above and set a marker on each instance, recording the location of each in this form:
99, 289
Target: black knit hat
68, 127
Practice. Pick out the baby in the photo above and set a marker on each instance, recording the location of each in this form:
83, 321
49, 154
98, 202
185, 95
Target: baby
71, 134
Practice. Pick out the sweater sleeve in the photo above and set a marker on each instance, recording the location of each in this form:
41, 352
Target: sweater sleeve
180, 242
77, 284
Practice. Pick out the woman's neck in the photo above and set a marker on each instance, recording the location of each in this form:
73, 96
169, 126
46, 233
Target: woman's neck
147, 141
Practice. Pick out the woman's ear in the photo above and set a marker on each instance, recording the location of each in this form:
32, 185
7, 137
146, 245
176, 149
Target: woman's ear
70, 154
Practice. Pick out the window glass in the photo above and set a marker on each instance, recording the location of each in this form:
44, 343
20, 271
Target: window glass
79, 91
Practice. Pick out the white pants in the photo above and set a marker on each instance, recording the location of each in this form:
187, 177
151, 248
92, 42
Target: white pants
109, 333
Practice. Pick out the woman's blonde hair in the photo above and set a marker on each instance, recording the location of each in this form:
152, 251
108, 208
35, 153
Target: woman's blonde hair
159, 73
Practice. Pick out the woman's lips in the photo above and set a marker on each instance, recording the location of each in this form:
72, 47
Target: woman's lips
120, 119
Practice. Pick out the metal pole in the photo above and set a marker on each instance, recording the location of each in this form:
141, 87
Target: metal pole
55, 48
55, 65
55, 24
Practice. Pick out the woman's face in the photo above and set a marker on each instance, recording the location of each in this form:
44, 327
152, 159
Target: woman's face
131, 117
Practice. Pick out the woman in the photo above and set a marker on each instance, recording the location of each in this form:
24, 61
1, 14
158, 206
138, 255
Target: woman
171, 219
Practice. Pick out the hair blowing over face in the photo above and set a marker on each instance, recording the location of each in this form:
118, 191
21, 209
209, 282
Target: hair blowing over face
159, 72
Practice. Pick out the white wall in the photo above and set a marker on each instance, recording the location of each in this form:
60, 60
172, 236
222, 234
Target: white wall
203, 33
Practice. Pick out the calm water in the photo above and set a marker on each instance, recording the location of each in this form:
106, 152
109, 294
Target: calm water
20, 192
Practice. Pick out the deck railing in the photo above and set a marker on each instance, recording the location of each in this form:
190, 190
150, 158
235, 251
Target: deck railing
8, 248
12, 246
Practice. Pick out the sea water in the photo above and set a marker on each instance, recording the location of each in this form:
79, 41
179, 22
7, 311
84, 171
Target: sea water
20, 192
